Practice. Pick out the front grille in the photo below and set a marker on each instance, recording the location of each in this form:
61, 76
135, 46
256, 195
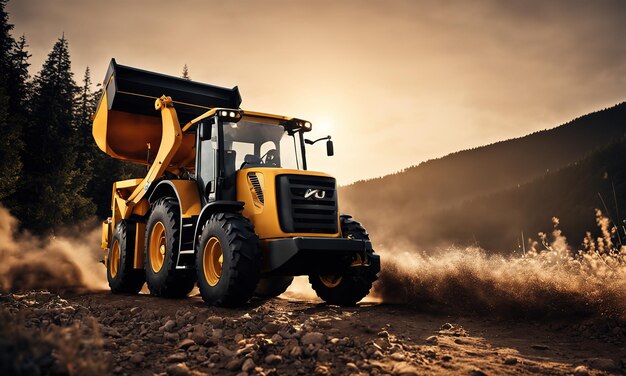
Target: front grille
307, 204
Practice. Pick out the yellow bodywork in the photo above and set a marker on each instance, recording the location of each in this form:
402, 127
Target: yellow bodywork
163, 145
264, 216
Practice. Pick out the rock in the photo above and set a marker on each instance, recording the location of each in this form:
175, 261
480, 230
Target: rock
214, 358
321, 370
171, 336
250, 347
446, 358
217, 333
323, 355
185, 344
176, 357
603, 364
398, 356
404, 369
137, 358
111, 332
234, 364
226, 352
432, 340
273, 360
179, 369
313, 338
169, 325
447, 326
216, 322
352, 367
295, 352
248, 365
477, 372
198, 334
510, 361
136, 310
68, 310
383, 334
276, 338
581, 371
270, 328
540, 347
285, 334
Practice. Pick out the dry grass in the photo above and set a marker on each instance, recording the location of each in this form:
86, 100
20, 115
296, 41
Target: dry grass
551, 279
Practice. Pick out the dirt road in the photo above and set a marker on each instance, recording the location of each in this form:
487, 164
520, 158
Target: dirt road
99, 332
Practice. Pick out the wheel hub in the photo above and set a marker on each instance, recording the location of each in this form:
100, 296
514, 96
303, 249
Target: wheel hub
331, 281
157, 247
114, 262
212, 261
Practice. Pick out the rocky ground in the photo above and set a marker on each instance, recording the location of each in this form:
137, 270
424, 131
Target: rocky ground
101, 333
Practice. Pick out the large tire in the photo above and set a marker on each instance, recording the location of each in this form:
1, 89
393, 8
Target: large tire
228, 260
122, 277
161, 252
354, 283
271, 287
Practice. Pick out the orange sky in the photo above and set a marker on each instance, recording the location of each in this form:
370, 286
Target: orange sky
394, 82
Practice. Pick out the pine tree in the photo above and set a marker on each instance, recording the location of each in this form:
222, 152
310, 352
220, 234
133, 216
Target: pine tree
13, 95
185, 74
84, 108
51, 194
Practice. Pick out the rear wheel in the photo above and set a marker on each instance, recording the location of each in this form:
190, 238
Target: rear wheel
271, 287
161, 253
122, 277
228, 260
354, 283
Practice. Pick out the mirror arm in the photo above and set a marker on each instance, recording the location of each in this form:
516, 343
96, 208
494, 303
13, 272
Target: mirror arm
309, 142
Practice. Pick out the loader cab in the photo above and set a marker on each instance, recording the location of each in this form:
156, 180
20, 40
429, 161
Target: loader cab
230, 141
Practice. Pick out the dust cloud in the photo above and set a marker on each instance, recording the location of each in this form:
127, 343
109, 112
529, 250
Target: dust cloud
551, 279
29, 262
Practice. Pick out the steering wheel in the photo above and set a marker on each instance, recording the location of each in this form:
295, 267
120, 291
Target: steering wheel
271, 158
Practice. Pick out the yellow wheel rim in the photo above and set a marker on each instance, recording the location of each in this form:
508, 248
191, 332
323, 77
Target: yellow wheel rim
157, 246
212, 260
114, 262
330, 281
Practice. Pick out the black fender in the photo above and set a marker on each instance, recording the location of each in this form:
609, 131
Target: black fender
221, 206
164, 188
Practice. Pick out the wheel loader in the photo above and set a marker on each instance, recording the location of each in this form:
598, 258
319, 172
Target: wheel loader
228, 202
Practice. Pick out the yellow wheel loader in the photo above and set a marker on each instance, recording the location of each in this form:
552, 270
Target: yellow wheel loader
227, 202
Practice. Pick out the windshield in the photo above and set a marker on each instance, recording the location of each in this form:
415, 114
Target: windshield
261, 145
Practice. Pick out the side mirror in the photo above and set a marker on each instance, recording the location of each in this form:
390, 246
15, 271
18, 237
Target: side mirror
330, 149
204, 131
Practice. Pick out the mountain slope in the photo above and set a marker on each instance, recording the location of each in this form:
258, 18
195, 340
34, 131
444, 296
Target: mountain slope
413, 201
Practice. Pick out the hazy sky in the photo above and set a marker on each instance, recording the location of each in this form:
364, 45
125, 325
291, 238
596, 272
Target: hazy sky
394, 82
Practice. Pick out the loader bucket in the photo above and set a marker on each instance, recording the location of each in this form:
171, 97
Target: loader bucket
126, 124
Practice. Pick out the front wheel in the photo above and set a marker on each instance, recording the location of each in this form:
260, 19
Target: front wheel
354, 283
228, 260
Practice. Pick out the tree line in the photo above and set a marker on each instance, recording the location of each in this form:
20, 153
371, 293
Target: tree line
52, 173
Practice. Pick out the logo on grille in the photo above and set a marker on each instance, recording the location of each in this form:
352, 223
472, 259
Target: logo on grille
315, 194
